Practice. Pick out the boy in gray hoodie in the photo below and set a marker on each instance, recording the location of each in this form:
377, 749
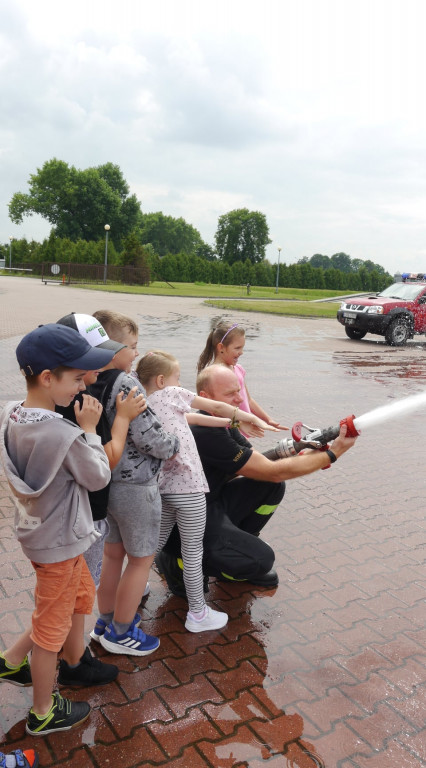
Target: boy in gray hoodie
50, 465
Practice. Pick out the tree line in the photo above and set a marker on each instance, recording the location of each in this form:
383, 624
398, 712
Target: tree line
79, 203
190, 268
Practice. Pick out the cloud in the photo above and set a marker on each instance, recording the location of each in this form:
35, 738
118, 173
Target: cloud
313, 113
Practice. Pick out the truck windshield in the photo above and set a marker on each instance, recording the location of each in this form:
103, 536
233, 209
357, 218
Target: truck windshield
404, 291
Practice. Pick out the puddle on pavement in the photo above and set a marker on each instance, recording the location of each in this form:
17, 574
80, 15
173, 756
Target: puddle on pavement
279, 737
178, 324
254, 725
381, 367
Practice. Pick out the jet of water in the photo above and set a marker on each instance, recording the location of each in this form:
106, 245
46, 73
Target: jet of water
391, 411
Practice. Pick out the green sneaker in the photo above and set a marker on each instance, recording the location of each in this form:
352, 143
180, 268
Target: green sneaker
62, 715
15, 675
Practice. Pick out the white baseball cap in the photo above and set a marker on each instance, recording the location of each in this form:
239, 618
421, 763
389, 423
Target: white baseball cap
91, 330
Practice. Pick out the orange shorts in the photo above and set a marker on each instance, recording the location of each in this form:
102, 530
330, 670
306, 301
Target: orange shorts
62, 589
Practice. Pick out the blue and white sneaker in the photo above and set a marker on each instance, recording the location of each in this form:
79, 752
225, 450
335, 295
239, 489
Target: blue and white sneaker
134, 642
101, 625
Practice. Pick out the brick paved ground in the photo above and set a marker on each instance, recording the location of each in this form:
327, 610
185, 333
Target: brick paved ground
327, 669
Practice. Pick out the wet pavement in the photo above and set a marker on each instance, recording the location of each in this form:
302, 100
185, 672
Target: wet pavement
329, 668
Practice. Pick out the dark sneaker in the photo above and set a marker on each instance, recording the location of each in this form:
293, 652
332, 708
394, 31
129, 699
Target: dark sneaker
62, 715
15, 675
171, 567
101, 626
19, 759
134, 642
269, 579
167, 566
90, 671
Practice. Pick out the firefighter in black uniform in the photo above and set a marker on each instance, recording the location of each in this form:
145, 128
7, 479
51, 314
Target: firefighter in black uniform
245, 489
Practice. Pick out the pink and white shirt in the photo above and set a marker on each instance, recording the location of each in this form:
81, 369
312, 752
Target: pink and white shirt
240, 374
184, 472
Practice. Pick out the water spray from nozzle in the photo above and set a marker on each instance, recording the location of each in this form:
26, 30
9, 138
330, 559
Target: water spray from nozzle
391, 411
307, 437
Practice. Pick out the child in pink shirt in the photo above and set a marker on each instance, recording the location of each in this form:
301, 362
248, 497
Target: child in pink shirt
224, 346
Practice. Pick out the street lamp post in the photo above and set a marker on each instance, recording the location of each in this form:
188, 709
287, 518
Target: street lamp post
10, 252
278, 270
107, 229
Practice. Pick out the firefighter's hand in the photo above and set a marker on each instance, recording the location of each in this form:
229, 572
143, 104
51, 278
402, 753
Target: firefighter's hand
342, 443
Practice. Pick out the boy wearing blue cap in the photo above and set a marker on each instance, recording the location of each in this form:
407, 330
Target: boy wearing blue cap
113, 438
50, 465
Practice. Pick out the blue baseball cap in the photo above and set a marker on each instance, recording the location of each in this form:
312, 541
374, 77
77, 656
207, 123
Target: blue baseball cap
52, 345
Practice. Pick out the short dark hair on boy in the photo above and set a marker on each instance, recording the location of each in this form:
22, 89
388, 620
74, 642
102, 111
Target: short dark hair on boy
31, 381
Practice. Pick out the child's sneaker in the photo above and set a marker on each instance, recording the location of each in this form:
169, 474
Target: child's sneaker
62, 715
209, 619
134, 642
19, 759
20, 675
101, 626
90, 671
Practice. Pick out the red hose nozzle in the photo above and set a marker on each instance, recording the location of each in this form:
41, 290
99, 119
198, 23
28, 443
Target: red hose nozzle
351, 428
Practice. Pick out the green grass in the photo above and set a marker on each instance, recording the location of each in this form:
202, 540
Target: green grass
204, 290
288, 301
294, 308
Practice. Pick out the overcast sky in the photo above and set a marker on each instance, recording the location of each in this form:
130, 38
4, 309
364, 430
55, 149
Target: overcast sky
311, 111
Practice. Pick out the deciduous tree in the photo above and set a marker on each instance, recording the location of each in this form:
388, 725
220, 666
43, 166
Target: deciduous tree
242, 234
78, 203
169, 235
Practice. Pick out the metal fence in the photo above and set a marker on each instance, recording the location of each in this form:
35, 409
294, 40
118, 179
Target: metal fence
70, 272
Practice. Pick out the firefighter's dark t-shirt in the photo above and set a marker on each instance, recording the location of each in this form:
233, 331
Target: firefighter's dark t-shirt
222, 452
98, 499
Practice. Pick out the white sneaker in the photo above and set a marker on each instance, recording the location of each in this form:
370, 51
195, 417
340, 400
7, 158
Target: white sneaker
210, 620
147, 590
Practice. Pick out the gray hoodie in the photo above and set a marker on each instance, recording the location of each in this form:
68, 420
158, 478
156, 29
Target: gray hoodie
147, 444
50, 467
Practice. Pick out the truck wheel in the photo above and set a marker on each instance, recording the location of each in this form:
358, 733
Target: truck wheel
352, 333
398, 332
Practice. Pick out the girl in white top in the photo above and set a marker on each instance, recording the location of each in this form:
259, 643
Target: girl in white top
182, 481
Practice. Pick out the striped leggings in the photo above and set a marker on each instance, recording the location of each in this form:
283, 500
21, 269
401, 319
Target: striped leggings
188, 510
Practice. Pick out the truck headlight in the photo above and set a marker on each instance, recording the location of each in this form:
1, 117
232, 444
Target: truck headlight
376, 310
